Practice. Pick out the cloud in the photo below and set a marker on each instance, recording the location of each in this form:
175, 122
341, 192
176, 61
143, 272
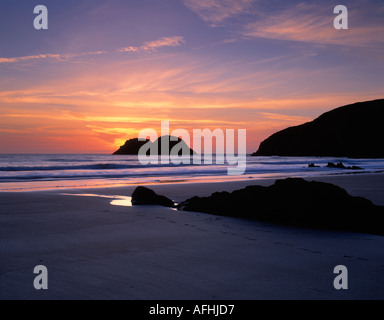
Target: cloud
129, 49
149, 46
314, 24
59, 57
164, 42
215, 11
284, 117
302, 22
174, 41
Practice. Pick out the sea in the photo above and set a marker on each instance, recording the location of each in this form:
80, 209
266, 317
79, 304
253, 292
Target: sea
32, 172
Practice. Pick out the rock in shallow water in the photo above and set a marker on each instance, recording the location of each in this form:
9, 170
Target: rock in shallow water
146, 196
295, 201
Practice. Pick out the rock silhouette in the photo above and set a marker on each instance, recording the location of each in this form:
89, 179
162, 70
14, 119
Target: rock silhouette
295, 201
312, 165
132, 146
341, 166
145, 196
354, 131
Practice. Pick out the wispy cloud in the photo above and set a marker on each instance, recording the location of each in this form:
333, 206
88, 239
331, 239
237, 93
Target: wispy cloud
149, 46
215, 11
313, 23
129, 49
284, 117
302, 22
174, 41
55, 56
164, 42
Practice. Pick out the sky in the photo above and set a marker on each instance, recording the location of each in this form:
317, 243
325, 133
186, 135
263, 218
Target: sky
105, 70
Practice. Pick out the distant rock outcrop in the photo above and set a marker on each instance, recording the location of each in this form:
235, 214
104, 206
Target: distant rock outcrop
132, 146
312, 165
354, 131
295, 201
341, 166
146, 196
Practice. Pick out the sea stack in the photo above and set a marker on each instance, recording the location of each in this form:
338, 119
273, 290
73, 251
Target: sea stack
132, 146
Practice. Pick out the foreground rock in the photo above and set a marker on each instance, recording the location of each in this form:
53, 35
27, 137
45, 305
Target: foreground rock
146, 196
295, 201
353, 131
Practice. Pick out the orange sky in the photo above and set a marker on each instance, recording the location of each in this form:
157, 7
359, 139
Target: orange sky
88, 85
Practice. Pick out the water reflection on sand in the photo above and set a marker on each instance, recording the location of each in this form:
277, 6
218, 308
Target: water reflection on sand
117, 200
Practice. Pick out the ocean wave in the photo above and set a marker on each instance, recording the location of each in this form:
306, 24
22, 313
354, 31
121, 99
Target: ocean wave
179, 172
96, 166
29, 168
103, 175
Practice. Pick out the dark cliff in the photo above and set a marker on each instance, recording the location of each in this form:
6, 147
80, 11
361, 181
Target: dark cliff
354, 131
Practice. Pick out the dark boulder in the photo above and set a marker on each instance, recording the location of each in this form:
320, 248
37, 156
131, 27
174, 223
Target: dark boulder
295, 201
146, 196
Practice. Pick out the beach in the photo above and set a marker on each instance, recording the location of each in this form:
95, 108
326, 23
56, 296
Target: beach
253, 129
95, 250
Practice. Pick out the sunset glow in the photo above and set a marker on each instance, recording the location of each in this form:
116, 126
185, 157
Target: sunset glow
104, 70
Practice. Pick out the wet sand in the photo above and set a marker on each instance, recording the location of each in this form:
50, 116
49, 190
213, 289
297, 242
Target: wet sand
95, 250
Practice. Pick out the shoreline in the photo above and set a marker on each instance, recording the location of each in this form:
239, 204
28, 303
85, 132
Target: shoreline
61, 172
369, 185
95, 250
